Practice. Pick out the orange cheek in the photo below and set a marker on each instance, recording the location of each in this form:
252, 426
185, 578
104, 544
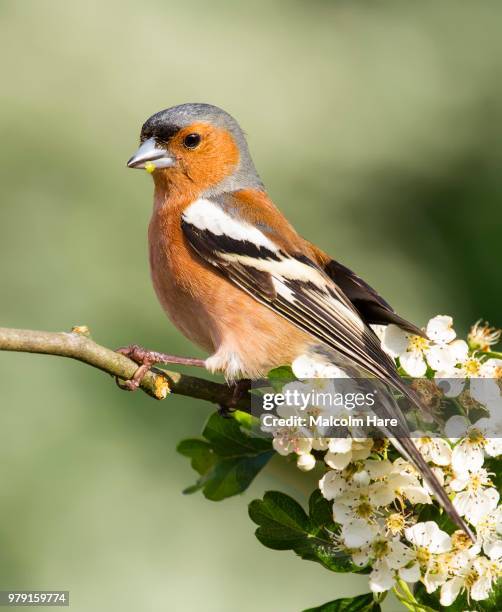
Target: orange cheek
216, 158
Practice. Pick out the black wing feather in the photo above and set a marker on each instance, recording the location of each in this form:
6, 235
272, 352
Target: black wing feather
322, 309
315, 310
370, 305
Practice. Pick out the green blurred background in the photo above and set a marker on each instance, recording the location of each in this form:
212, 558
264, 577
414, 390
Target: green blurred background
376, 127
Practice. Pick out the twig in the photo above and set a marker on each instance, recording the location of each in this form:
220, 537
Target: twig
77, 345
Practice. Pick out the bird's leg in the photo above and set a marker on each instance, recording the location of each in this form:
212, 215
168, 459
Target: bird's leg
239, 390
146, 359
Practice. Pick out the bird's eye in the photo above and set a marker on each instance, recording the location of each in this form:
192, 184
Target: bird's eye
192, 141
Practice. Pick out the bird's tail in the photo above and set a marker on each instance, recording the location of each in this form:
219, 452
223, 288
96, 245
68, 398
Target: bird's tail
405, 445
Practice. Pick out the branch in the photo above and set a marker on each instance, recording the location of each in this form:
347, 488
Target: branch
77, 345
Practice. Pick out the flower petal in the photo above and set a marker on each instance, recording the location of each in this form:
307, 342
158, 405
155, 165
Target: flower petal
440, 358
399, 555
440, 329
332, 485
481, 588
417, 495
306, 462
450, 591
380, 494
490, 368
395, 340
484, 390
456, 427
434, 579
361, 557
342, 514
338, 461
378, 469
450, 383
413, 363
340, 445
428, 535
467, 457
476, 507
440, 452
410, 574
493, 549
381, 579
357, 533
459, 349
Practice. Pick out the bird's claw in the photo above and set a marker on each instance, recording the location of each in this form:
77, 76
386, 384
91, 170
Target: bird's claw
137, 353
144, 358
241, 389
126, 385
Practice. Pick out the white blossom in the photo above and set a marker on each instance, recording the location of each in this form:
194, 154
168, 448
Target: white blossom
440, 329
343, 451
489, 532
352, 507
300, 439
392, 558
481, 374
475, 440
354, 504
373, 499
435, 449
439, 348
357, 533
488, 572
289, 440
428, 536
450, 589
475, 496
439, 567
332, 485
315, 366
395, 480
475, 577
306, 462
429, 542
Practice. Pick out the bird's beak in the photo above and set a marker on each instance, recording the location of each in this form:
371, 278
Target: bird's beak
150, 156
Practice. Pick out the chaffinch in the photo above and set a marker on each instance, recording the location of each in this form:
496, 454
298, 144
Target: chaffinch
238, 280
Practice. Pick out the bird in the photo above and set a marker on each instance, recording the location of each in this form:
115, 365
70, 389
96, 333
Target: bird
237, 279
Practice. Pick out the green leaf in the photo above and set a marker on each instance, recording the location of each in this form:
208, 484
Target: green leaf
228, 440
278, 377
360, 603
200, 452
320, 510
284, 525
492, 604
283, 522
227, 460
245, 420
234, 475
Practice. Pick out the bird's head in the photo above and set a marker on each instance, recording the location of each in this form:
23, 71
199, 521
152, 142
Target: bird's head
199, 146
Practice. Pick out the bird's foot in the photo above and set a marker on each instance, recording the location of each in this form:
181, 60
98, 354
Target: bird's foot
146, 359
239, 390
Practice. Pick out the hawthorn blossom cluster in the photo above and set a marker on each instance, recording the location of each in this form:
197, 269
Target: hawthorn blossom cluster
377, 499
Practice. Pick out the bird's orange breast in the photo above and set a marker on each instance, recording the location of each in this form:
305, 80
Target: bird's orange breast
245, 337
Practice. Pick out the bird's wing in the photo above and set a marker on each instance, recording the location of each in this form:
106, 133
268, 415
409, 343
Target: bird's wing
253, 256
289, 283
368, 302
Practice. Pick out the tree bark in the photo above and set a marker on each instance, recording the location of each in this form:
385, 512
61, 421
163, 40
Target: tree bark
78, 345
